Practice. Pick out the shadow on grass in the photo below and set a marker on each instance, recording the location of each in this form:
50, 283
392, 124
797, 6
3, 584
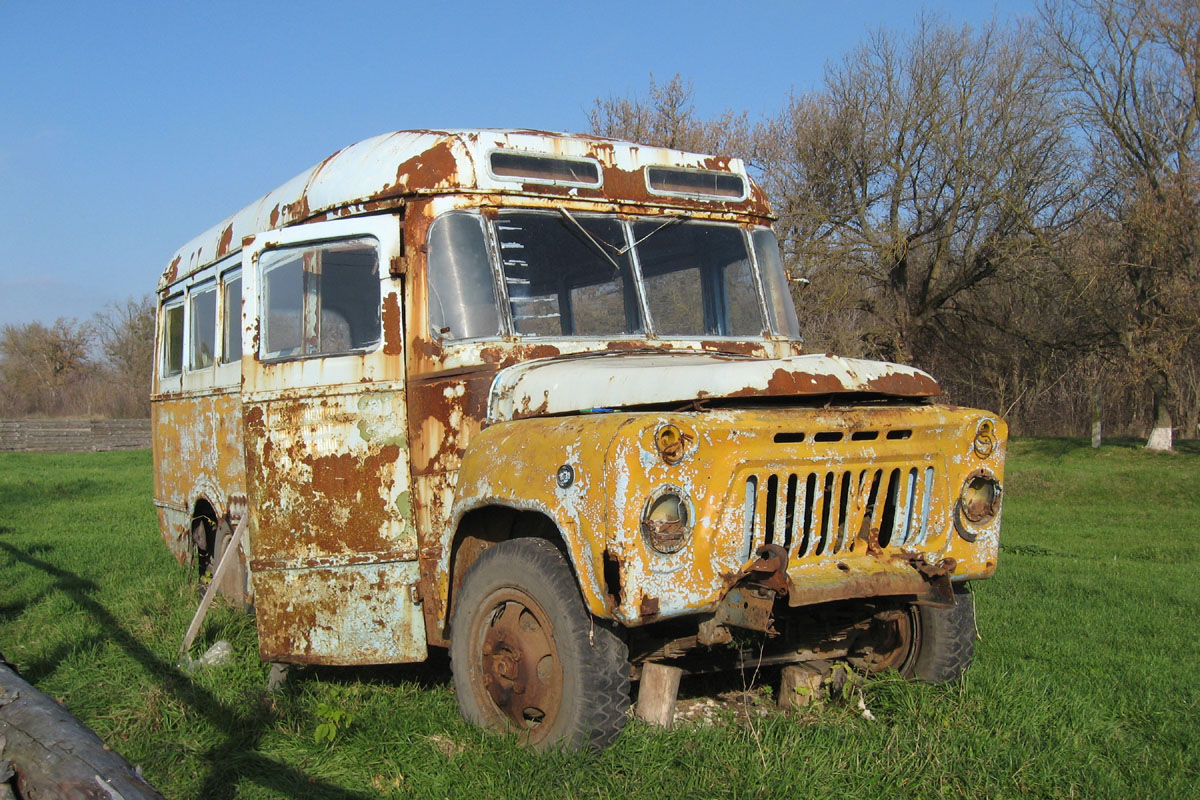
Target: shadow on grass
10, 611
233, 759
432, 673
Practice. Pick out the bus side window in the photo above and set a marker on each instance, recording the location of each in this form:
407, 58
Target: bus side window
172, 327
231, 322
321, 299
203, 317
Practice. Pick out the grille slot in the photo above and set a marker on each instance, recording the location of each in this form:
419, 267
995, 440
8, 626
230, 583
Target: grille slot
827, 512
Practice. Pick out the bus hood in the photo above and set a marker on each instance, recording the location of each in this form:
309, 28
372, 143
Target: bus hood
564, 385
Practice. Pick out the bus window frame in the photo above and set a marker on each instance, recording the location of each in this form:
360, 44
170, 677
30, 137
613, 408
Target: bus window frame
263, 376
195, 288
171, 381
228, 372
304, 248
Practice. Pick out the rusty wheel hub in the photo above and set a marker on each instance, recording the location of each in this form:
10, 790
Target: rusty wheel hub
519, 662
895, 641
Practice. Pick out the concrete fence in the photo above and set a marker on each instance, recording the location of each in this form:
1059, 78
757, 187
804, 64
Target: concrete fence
73, 435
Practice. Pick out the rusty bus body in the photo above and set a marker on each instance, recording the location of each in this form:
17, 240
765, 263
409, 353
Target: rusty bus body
436, 345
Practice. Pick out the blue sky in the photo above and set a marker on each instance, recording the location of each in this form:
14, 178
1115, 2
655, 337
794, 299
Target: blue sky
126, 128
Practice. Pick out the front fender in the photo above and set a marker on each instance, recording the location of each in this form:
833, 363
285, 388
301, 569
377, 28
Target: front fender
517, 465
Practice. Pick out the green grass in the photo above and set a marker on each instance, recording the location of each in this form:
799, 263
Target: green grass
1085, 682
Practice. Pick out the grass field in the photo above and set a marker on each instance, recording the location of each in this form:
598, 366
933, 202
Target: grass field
1085, 684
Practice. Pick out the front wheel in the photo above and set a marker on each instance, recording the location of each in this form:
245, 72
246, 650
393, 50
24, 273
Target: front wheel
948, 639
527, 656
925, 642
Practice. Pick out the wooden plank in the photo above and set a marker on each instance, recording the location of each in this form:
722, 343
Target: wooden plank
228, 558
72, 435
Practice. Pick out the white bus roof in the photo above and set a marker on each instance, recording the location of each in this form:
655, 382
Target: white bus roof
377, 173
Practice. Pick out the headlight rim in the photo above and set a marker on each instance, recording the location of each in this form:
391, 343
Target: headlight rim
662, 542
969, 524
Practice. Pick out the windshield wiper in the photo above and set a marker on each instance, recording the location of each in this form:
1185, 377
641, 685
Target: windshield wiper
672, 220
599, 247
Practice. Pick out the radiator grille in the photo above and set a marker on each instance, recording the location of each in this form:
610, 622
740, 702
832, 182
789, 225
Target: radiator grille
823, 513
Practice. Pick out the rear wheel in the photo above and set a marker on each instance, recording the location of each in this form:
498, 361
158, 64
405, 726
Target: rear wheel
527, 656
204, 540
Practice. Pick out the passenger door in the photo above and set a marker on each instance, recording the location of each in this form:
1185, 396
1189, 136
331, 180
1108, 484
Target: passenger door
332, 544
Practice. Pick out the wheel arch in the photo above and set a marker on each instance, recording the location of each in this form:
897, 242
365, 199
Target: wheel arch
485, 525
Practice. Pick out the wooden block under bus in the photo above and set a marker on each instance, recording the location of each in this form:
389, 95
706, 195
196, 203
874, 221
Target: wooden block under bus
656, 694
799, 686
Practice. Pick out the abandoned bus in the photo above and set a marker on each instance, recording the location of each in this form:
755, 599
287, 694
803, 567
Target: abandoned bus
542, 399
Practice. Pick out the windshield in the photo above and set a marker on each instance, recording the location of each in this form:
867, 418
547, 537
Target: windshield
558, 273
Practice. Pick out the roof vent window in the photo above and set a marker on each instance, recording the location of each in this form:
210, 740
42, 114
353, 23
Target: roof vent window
696, 183
544, 169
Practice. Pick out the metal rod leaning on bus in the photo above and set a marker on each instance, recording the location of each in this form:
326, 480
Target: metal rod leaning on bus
227, 558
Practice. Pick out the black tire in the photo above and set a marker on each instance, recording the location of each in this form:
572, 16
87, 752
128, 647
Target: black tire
528, 657
947, 639
204, 541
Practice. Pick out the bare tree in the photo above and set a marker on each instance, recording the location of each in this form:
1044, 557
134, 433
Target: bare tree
667, 118
920, 169
40, 365
125, 333
1131, 72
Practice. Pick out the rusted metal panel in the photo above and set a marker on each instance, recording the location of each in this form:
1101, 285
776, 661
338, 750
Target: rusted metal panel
623, 380
361, 614
328, 478
197, 457
531, 453
843, 538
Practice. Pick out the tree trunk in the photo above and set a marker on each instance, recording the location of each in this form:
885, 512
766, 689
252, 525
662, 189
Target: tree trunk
1097, 397
54, 755
1160, 434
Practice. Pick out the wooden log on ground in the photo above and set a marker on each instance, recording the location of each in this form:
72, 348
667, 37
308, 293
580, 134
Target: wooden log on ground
55, 756
656, 694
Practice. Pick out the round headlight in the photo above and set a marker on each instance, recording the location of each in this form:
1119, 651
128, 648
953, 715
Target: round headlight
978, 503
666, 523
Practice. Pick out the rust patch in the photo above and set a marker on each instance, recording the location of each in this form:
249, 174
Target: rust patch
785, 383
425, 349
511, 354
425, 171
770, 570
880, 584
716, 163
906, 385
444, 411
648, 607
393, 334
297, 210
173, 269
226, 241
746, 347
